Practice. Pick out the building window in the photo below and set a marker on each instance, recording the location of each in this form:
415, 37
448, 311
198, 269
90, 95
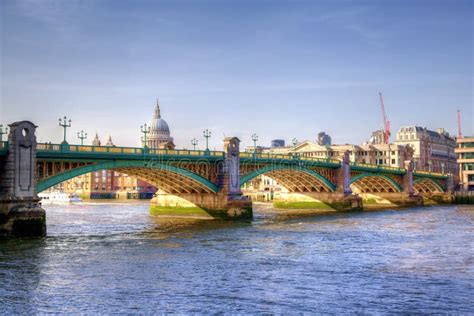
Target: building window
393, 161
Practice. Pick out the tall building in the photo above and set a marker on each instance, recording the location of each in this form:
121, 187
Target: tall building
324, 139
432, 151
160, 136
465, 152
278, 143
378, 137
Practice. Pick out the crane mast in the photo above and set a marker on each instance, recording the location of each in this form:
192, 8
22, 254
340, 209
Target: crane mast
459, 125
386, 122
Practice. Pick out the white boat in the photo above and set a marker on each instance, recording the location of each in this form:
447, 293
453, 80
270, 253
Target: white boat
59, 198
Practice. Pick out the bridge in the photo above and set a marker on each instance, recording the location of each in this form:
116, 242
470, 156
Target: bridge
194, 180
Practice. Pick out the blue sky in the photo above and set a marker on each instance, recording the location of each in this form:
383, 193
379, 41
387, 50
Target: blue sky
281, 69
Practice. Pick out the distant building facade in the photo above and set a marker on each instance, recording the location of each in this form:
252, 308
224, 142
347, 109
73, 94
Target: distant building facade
324, 139
383, 154
278, 143
112, 184
378, 137
465, 159
432, 150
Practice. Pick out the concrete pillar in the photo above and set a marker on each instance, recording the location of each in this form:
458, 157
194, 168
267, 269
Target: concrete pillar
20, 211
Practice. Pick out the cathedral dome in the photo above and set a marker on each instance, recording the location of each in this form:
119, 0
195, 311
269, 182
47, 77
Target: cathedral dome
160, 135
157, 124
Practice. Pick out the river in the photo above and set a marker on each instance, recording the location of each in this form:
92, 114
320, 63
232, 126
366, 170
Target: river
117, 258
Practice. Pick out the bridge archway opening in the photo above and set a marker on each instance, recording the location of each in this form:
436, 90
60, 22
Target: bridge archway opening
427, 186
288, 187
293, 179
373, 188
374, 183
172, 180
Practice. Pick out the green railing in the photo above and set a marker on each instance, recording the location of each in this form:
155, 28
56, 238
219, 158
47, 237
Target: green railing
84, 149
430, 173
376, 167
283, 157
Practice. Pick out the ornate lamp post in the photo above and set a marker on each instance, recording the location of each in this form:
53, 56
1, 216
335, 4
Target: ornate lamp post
255, 139
194, 142
65, 123
81, 135
3, 132
430, 163
442, 167
207, 135
145, 130
294, 141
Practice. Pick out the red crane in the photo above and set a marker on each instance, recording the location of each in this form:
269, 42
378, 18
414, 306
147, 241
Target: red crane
386, 122
459, 125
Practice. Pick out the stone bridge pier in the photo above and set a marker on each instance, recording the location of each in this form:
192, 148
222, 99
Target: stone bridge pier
20, 211
227, 203
342, 199
407, 196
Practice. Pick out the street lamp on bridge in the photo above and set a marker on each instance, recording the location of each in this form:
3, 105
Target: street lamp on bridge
65, 123
81, 135
145, 130
294, 141
207, 135
255, 139
194, 142
3, 132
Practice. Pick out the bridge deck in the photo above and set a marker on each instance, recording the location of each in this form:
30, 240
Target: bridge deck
57, 152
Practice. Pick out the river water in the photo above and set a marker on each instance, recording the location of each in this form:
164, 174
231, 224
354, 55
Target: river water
110, 258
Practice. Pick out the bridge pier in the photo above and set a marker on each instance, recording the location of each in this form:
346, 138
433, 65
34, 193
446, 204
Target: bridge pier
20, 211
335, 201
227, 203
408, 196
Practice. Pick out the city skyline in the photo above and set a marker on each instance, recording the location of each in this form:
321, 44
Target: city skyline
281, 70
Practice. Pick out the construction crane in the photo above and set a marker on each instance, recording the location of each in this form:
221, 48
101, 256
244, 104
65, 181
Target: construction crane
459, 125
386, 122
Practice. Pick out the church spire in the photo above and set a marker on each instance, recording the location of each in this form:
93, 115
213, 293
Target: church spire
157, 109
96, 141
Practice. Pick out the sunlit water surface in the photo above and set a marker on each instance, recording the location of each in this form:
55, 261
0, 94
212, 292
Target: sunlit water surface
109, 258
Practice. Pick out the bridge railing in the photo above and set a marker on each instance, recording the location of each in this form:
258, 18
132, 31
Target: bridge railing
283, 156
430, 173
376, 167
45, 147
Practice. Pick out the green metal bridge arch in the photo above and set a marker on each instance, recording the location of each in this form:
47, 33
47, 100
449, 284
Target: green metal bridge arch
358, 177
248, 177
115, 164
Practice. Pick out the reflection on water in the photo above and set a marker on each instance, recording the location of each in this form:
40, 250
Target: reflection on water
117, 258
